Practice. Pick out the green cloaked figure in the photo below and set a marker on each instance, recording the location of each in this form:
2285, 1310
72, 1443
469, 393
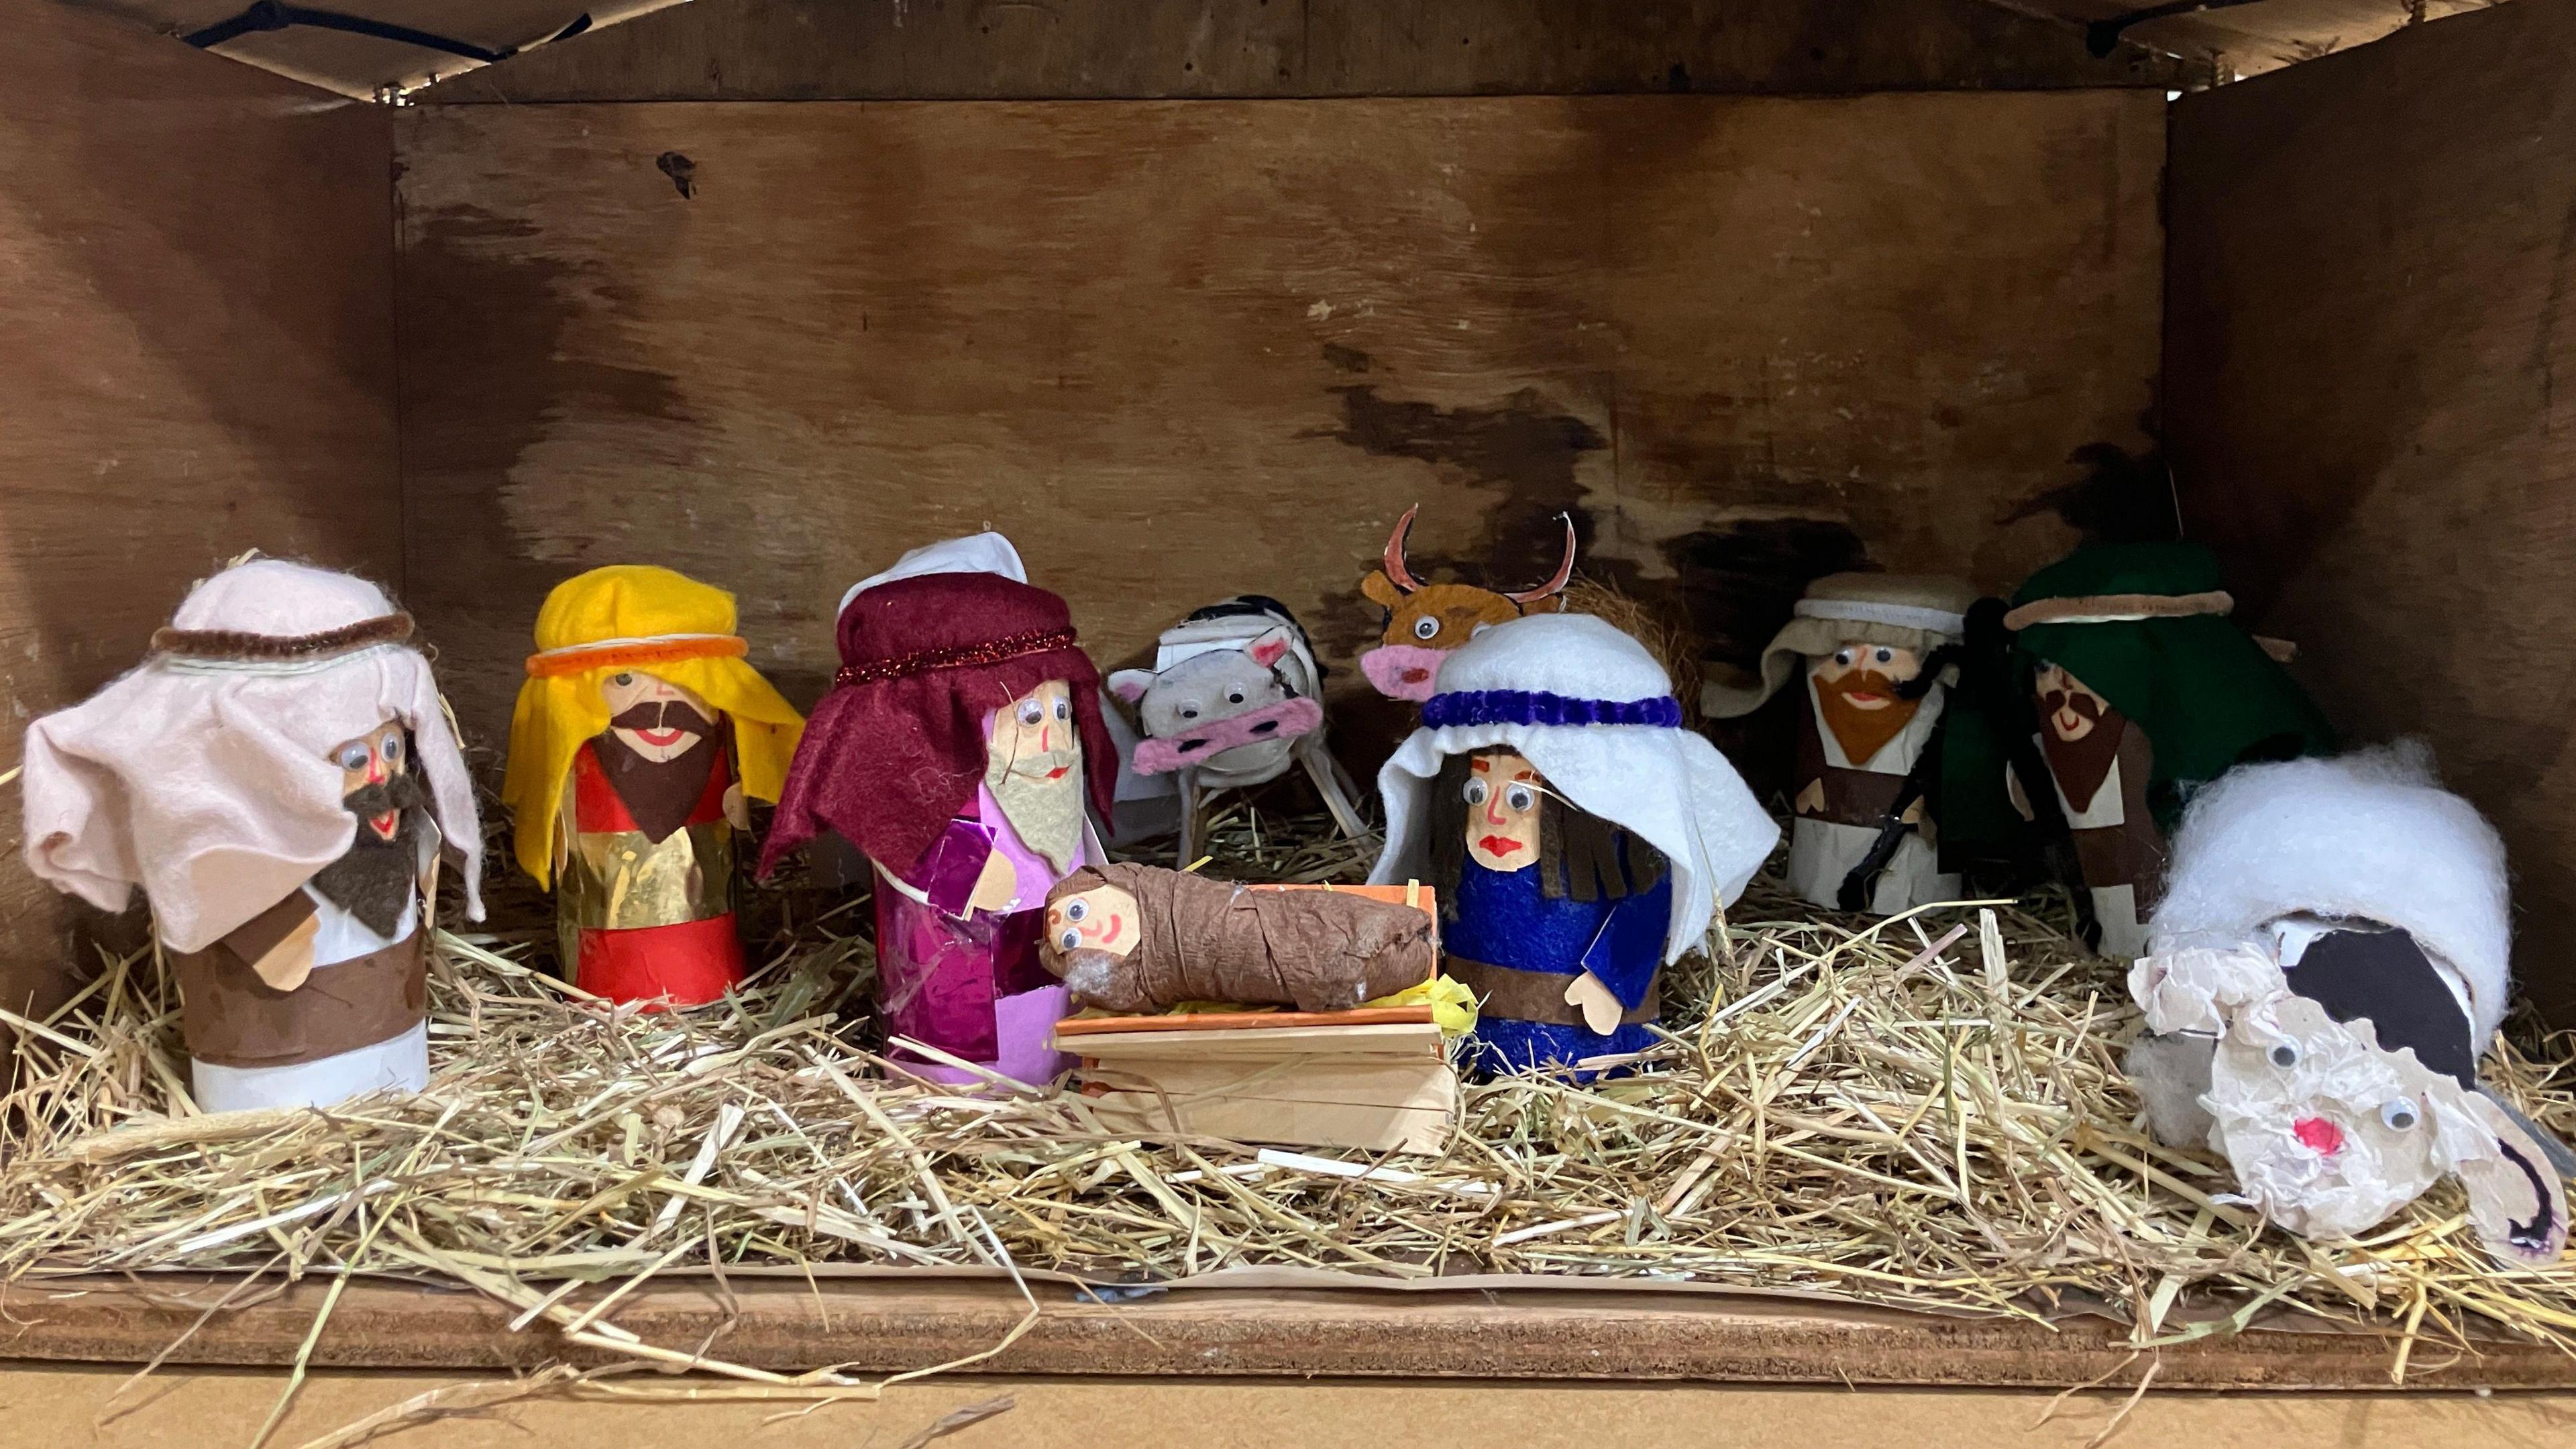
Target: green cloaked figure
2145, 689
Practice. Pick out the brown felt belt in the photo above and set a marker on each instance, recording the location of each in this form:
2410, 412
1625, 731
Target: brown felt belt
233, 1019
1516, 995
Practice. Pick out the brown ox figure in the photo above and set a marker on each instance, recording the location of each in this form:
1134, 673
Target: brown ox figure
1425, 621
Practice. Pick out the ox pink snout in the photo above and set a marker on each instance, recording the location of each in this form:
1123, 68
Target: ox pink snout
1403, 671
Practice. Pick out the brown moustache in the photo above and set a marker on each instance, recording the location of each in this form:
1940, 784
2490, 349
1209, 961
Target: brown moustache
657, 715
1864, 681
2053, 700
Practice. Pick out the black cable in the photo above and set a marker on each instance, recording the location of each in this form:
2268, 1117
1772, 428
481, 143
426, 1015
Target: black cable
267, 15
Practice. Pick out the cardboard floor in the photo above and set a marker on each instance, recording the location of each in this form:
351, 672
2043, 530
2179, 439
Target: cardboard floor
53, 1405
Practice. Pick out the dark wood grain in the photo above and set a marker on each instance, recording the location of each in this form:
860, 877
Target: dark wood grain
1143, 49
196, 346
1180, 350
2369, 347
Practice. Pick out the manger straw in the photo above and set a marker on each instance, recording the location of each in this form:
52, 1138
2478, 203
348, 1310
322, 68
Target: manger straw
1924, 1113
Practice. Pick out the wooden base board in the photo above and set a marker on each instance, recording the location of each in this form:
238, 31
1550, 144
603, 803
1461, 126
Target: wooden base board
884, 1325
1370, 1104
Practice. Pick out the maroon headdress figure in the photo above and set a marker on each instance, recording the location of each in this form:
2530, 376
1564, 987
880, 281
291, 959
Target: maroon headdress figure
953, 752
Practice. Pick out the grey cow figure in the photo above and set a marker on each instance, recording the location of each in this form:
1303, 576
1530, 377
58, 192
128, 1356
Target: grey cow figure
1231, 702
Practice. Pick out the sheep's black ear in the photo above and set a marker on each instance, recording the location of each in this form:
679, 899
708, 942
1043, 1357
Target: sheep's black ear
2517, 1199
2384, 977
2562, 1158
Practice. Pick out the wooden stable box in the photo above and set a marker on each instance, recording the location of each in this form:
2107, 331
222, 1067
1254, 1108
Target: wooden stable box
1193, 298
1376, 1078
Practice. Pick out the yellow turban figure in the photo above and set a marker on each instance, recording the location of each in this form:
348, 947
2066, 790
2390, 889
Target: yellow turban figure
638, 733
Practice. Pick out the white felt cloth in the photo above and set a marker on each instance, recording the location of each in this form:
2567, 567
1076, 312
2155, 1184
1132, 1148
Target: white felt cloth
1670, 787
400, 1063
2368, 834
212, 787
976, 553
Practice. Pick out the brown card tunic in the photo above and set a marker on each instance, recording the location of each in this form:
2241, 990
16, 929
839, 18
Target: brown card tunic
233, 1019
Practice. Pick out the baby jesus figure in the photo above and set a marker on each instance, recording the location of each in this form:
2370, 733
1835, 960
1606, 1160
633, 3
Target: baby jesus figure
1138, 938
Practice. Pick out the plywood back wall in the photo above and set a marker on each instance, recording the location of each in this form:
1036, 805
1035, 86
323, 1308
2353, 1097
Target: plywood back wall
196, 299
2370, 348
1180, 350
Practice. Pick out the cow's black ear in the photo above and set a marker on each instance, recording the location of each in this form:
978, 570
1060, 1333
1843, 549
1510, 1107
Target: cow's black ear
2382, 976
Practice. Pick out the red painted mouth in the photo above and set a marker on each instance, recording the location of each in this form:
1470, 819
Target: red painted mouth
1058, 772
2318, 1135
1499, 844
386, 824
1117, 927
660, 739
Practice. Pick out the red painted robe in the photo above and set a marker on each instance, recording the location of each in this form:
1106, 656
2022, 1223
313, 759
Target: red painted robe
645, 919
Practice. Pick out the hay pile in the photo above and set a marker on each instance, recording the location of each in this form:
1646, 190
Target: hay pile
1925, 1112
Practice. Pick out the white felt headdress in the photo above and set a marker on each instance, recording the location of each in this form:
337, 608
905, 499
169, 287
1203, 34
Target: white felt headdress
204, 775
1664, 783
1911, 611
976, 553
2369, 834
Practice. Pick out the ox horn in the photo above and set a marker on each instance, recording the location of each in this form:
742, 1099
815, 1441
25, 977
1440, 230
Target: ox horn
1564, 571
1396, 572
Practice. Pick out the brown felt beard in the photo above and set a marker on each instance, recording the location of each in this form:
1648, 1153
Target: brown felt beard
1046, 814
375, 878
1863, 732
2080, 765
659, 794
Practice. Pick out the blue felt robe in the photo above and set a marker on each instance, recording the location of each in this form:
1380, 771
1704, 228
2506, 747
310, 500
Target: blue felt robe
1504, 919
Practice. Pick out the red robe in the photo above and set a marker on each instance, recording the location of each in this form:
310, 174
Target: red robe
670, 932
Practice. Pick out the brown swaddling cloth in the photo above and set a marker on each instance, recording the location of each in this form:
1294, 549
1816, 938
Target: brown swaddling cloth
1210, 940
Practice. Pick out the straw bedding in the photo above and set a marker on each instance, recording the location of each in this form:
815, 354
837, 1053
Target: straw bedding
1841, 1108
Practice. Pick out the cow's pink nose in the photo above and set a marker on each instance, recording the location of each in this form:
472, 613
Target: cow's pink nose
2319, 1135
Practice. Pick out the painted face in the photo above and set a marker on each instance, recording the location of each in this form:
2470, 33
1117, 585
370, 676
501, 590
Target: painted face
1502, 812
1856, 689
1102, 918
1035, 734
369, 763
652, 716
2072, 708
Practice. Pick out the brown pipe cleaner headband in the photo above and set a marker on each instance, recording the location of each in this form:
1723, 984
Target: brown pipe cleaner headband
235, 644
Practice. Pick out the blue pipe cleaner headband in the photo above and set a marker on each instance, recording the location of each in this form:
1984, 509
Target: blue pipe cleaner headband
1533, 707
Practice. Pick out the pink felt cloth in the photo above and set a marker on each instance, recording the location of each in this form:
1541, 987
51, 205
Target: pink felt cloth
1403, 671
1286, 720
212, 786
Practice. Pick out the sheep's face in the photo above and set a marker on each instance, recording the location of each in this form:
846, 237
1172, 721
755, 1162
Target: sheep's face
2329, 1134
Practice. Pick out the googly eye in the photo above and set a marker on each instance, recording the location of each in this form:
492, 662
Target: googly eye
1477, 793
1843, 656
1069, 941
1884, 655
1076, 910
1032, 712
2284, 1055
392, 748
1519, 797
353, 757
1234, 696
1426, 627
621, 679
1189, 711
2398, 1113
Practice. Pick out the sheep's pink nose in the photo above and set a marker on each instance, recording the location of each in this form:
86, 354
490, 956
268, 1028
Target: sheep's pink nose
2318, 1135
